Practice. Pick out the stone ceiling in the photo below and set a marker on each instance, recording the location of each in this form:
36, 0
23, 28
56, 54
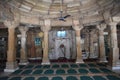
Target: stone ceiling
85, 10
52, 8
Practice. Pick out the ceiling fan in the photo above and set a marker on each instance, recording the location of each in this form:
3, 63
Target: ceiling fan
62, 18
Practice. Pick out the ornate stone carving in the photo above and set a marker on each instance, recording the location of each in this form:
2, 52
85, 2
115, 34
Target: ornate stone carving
23, 30
47, 25
11, 24
23, 54
77, 25
101, 28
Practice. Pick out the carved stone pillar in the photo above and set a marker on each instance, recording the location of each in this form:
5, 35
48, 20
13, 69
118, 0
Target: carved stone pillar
92, 54
77, 27
46, 29
23, 54
87, 43
11, 64
101, 42
115, 62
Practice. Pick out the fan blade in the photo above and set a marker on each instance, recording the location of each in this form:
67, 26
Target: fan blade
67, 16
62, 19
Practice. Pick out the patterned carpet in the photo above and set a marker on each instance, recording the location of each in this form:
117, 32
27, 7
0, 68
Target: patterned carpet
63, 71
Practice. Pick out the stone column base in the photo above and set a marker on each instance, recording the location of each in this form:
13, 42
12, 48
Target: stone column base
11, 67
92, 56
23, 62
79, 61
116, 65
103, 60
45, 62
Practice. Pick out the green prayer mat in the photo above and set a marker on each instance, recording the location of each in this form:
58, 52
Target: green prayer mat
38, 66
26, 72
91, 65
49, 71
57, 78
98, 78
71, 78
29, 78
29, 66
37, 72
46, 66
101, 65
73, 65
83, 71
71, 71
55, 66
93, 70
21, 66
17, 72
64, 66
112, 77
43, 78
82, 65
4, 78
105, 70
60, 71
16, 78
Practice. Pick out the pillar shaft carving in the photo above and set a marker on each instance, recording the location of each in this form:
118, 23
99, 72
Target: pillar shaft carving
45, 49
113, 29
11, 44
11, 24
114, 45
77, 28
101, 28
92, 54
23, 54
77, 25
11, 64
86, 44
23, 30
46, 29
47, 26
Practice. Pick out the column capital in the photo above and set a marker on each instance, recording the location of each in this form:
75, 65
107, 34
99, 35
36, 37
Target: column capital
47, 25
47, 22
116, 19
101, 26
23, 29
112, 23
45, 28
92, 31
11, 24
76, 25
